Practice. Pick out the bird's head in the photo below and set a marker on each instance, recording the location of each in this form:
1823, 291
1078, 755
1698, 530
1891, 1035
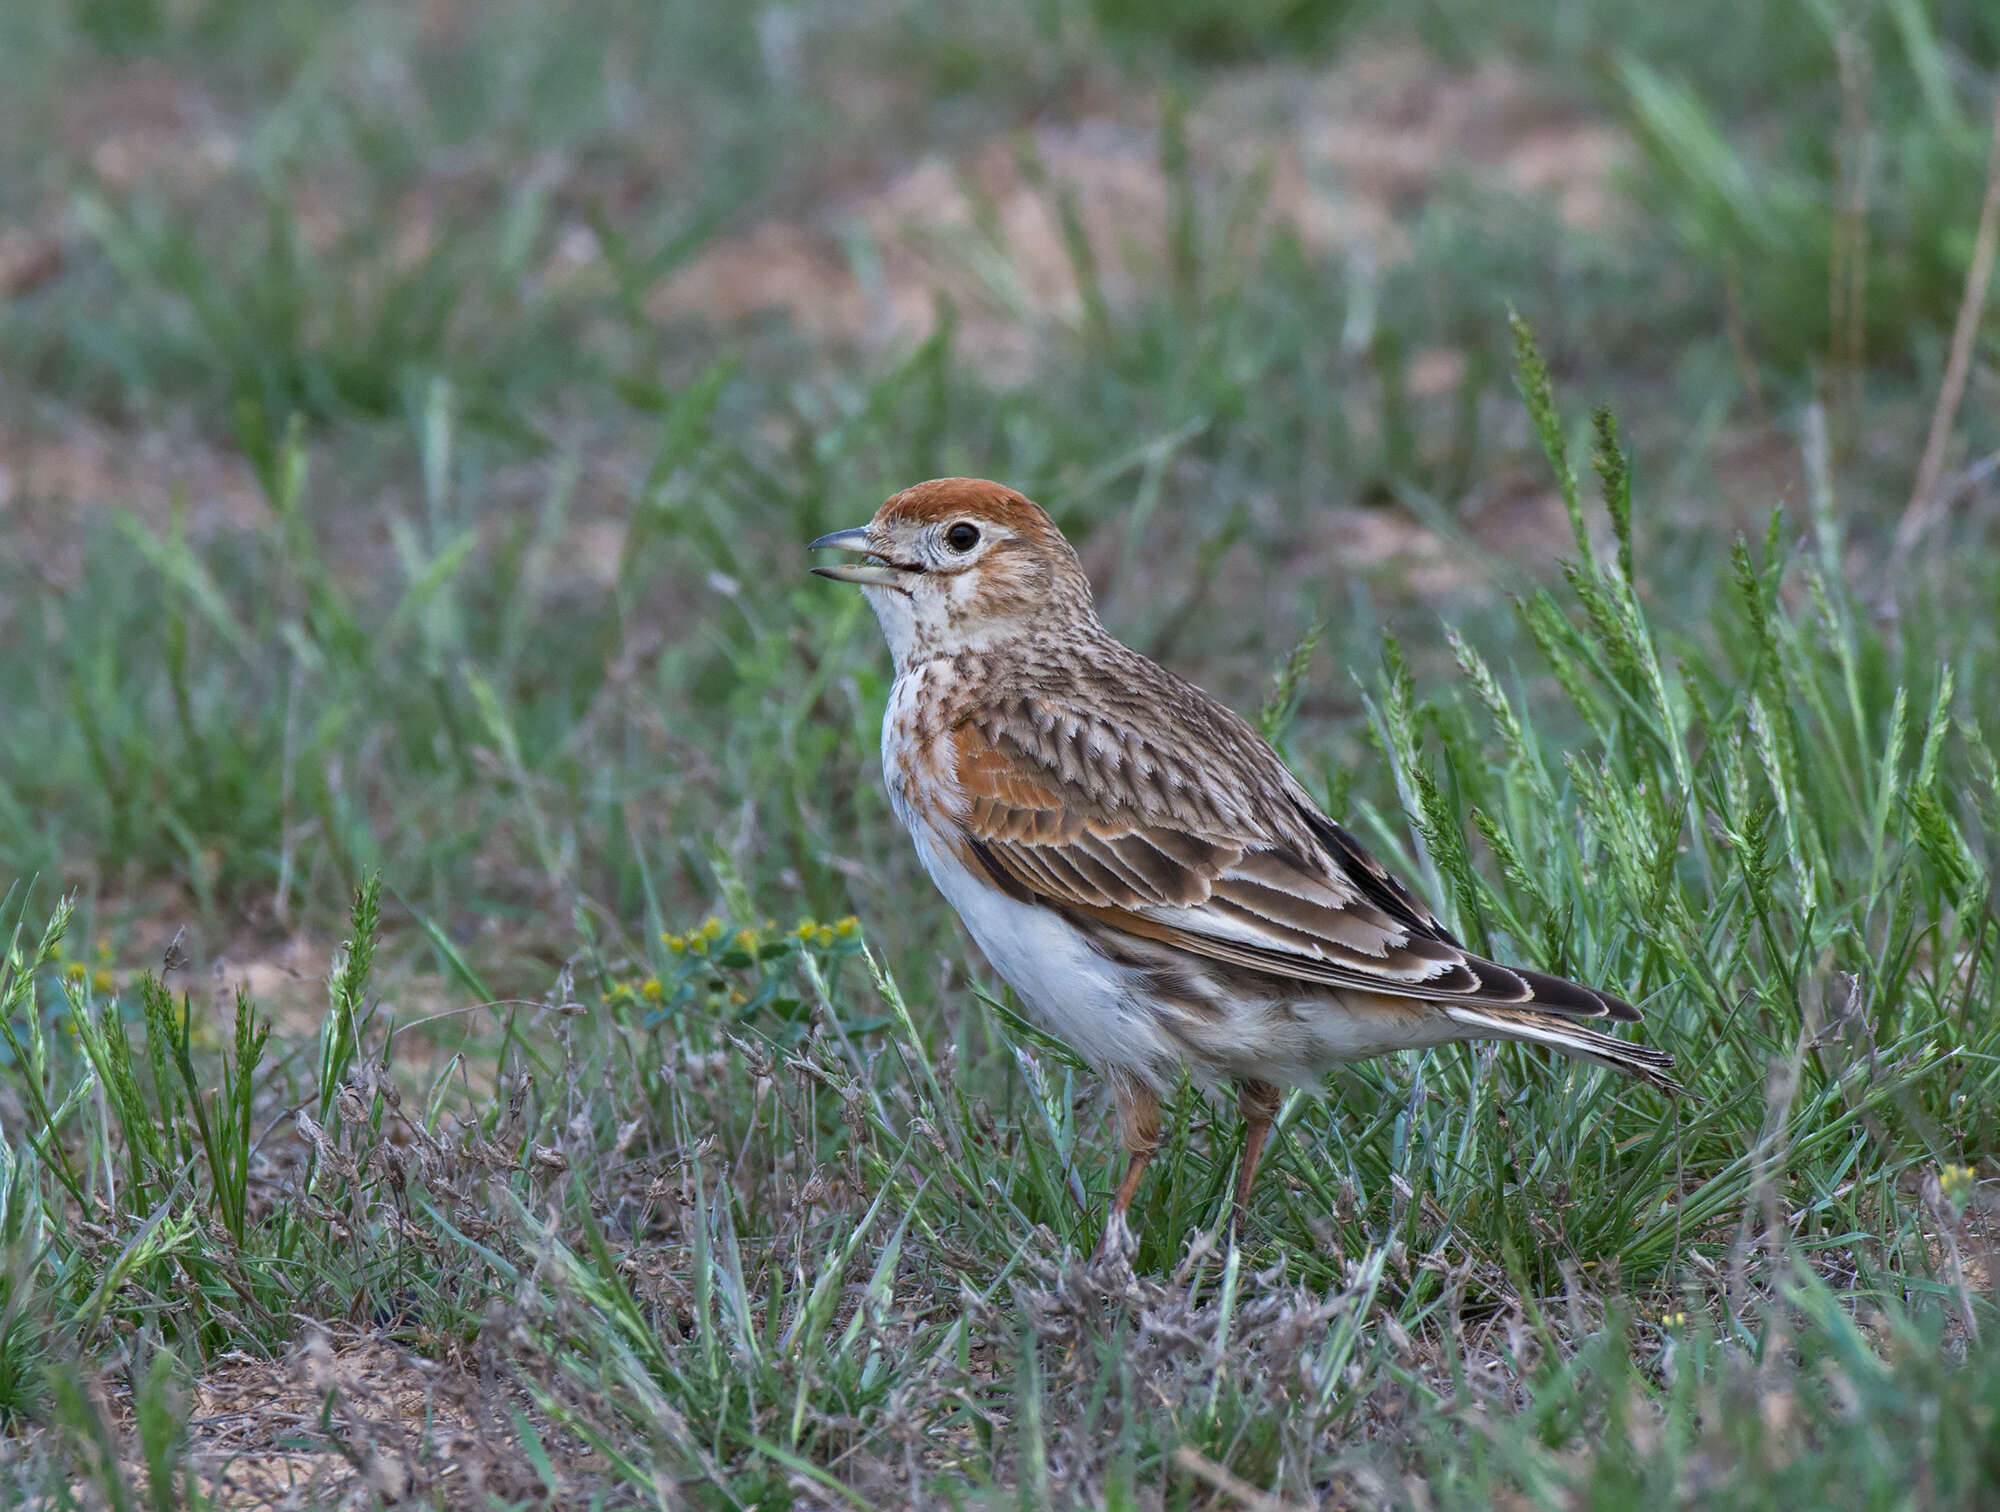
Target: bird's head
960, 563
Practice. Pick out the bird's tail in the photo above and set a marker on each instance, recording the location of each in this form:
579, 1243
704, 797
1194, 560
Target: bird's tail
1653, 1067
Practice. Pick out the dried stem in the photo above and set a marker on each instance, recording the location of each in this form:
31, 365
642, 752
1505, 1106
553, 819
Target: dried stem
1925, 505
1847, 273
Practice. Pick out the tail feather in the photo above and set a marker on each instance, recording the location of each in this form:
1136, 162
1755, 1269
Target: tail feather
1653, 1067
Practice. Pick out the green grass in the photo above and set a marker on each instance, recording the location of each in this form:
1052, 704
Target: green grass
502, 671
1811, 936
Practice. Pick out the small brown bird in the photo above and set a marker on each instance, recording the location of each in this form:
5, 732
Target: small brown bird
1135, 860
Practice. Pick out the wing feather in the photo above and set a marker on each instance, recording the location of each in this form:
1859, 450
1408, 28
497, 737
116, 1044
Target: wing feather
1077, 816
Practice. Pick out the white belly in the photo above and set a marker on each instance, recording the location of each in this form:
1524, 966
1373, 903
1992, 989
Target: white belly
1067, 987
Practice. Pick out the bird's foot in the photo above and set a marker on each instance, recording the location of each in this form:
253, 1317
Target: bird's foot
1119, 1244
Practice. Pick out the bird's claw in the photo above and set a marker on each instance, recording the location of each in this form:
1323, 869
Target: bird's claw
1119, 1244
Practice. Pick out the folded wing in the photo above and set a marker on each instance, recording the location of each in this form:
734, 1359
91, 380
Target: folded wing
1064, 810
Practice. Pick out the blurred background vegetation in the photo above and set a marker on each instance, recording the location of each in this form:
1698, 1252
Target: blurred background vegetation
412, 414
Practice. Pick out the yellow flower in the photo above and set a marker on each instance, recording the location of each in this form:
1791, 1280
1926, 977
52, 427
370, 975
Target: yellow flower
77, 971
710, 930
823, 936
847, 927
805, 928
1956, 1183
104, 947
650, 989
746, 939
1673, 1320
101, 980
676, 944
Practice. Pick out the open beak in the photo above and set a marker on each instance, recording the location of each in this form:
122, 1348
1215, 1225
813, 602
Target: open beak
873, 572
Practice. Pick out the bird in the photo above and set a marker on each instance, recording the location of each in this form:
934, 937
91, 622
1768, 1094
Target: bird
1136, 861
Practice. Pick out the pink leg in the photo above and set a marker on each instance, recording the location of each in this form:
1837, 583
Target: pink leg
1258, 1102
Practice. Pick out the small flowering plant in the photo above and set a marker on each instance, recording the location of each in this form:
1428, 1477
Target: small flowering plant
94, 972
747, 974
47, 979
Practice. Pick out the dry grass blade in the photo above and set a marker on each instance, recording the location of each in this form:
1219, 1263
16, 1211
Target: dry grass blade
1847, 277
1225, 1480
1925, 502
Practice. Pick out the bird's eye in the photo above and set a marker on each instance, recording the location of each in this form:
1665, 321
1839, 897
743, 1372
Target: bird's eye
962, 537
